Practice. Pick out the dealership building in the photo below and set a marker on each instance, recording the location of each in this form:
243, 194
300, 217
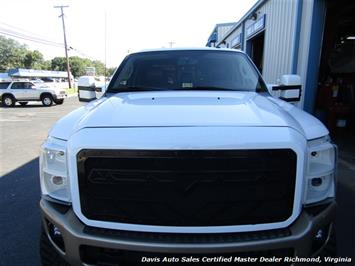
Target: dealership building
34, 73
314, 39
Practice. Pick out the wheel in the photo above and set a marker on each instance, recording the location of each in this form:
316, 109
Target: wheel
8, 101
47, 100
23, 103
49, 256
59, 101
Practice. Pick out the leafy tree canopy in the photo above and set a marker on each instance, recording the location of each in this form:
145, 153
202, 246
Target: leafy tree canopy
12, 54
33, 59
110, 71
16, 55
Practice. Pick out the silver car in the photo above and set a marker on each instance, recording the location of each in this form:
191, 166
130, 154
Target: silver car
25, 91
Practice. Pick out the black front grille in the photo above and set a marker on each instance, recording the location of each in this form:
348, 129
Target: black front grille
187, 187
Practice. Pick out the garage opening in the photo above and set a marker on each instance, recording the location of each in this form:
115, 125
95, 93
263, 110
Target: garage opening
255, 49
335, 104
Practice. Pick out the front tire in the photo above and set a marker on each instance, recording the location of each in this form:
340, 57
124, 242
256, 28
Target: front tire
47, 100
49, 256
8, 101
59, 101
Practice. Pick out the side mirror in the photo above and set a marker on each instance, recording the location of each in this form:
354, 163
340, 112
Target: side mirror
33, 87
86, 89
270, 88
86, 93
290, 88
100, 91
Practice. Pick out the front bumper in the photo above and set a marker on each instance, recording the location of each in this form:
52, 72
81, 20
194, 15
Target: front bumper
76, 236
59, 96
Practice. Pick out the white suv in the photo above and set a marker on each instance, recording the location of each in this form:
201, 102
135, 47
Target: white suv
25, 91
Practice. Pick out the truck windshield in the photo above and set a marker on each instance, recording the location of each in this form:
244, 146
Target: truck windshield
186, 70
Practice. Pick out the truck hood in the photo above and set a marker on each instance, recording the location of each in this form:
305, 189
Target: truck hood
183, 108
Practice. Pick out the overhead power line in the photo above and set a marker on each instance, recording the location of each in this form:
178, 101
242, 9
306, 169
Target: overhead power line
59, 45
81, 53
22, 34
14, 31
23, 31
28, 38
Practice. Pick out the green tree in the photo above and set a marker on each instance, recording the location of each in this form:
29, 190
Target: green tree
58, 64
99, 67
33, 59
78, 65
46, 65
16, 55
12, 53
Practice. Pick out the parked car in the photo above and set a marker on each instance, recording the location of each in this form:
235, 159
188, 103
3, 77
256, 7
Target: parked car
46, 79
37, 81
187, 152
25, 91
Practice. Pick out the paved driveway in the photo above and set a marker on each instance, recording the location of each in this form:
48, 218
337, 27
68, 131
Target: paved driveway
22, 130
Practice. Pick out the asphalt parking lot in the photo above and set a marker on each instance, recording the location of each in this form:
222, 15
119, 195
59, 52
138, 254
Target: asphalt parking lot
23, 129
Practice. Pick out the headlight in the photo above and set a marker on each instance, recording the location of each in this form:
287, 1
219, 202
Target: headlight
320, 183
53, 170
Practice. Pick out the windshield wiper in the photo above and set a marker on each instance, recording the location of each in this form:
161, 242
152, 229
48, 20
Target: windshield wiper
138, 88
211, 88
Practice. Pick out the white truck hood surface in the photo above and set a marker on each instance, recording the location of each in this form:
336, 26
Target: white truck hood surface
188, 108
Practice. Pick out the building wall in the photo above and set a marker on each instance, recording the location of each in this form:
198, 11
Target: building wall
290, 28
233, 35
222, 30
278, 43
279, 37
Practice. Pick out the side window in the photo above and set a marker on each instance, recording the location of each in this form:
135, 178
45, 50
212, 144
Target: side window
126, 74
17, 86
4, 85
27, 85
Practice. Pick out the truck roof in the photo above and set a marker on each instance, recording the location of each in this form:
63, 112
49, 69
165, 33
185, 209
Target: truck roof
190, 49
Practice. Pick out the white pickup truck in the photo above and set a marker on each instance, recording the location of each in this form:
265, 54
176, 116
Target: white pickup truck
25, 91
187, 156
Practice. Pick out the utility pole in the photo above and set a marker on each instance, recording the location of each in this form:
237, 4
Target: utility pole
65, 43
